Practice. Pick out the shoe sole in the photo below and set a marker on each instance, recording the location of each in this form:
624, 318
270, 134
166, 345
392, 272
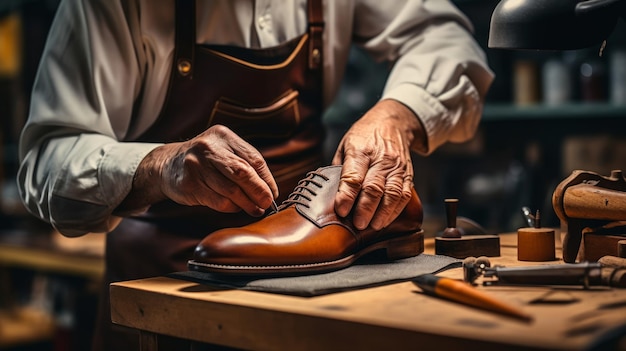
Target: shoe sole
396, 248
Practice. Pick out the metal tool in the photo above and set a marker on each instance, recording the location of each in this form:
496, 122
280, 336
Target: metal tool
584, 274
274, 207
528, 216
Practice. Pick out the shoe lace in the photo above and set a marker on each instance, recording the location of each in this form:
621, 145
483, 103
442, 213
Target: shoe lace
304, 192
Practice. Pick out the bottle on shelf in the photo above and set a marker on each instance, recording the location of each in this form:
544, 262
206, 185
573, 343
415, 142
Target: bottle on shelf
556, 82
526, 85
617, 76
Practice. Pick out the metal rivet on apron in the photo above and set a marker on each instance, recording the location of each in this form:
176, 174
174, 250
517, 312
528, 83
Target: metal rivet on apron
184, 67
316, 56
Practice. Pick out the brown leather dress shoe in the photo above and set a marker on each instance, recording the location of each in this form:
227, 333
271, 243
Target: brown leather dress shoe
306, 236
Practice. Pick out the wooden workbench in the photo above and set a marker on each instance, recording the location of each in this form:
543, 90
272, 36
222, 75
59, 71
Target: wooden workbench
391, 317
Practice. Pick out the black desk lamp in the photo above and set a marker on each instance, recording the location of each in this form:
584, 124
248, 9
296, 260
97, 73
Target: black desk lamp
553, 24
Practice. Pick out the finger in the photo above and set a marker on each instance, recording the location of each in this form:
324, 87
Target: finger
369, 198
231, 196
407, 191
393, 204
256, 160
245, 166
219, 191
407, 187
392, 197
218, 202
338, 157
352, 175
242, 185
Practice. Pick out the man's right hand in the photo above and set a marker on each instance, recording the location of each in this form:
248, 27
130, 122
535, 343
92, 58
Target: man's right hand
216, 169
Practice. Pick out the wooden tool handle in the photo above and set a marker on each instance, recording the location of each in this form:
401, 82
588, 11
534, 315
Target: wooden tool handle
612, 261
590, 201
615, 277
583, 205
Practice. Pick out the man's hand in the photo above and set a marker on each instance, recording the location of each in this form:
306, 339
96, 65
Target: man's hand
377, 174
216, 169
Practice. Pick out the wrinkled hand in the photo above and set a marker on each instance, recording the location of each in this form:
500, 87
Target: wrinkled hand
377, 174
216, 169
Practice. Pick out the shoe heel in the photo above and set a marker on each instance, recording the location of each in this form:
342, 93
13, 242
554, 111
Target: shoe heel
405, 246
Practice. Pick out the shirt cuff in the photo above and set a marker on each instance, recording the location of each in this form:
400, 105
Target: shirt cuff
117, 169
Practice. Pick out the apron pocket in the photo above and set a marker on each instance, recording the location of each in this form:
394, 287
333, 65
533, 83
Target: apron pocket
276, 121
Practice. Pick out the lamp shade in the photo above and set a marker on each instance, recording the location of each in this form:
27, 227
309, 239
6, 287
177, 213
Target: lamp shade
552, 24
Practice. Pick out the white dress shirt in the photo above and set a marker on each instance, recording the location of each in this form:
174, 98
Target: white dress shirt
76, 151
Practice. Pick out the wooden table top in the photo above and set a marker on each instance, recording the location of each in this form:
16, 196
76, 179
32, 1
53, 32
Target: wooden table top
391, 317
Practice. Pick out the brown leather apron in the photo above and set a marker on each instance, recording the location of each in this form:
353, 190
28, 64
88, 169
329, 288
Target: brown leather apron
270, 97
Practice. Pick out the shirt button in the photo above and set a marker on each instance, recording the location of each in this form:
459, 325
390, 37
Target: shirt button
265, 22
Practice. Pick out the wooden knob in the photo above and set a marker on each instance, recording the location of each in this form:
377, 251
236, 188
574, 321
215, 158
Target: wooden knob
451, 210
535, 244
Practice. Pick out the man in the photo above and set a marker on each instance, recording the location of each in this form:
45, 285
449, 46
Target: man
158, 123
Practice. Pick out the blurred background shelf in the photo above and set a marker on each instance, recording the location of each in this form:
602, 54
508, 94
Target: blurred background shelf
51, 252
591, 111
24, 326
49, 286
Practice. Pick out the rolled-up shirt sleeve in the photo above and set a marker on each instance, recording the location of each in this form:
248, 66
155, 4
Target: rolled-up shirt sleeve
439, 70
74, 170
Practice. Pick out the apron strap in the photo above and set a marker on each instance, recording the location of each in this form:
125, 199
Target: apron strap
316, 32
185, 37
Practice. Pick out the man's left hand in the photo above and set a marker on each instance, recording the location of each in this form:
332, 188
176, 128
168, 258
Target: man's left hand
377, 175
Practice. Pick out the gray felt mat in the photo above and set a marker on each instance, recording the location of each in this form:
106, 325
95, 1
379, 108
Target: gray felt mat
360, 275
